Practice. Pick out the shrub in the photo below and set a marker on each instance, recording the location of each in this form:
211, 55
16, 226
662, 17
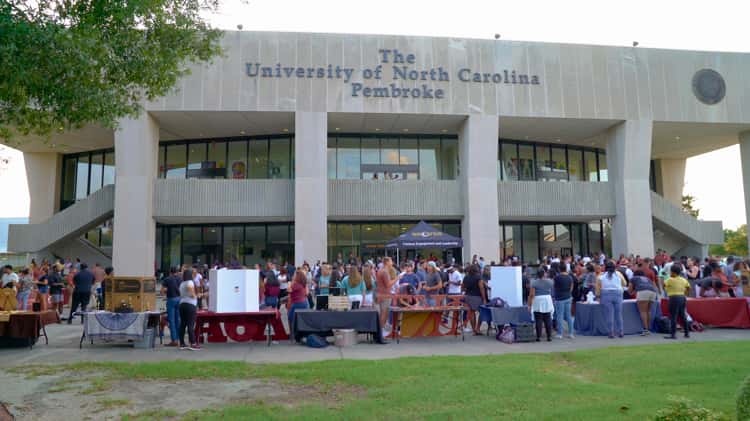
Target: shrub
682, 409
743, 401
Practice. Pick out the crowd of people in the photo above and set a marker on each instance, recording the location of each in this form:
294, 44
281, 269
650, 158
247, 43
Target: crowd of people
551, 288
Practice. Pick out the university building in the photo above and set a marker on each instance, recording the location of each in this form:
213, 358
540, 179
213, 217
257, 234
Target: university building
303, 146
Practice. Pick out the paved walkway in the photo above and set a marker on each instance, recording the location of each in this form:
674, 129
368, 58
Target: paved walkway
63, 348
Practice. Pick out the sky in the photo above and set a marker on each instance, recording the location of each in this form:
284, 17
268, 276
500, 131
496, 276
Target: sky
687, 24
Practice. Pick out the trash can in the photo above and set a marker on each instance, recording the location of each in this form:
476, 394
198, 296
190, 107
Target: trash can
345, 337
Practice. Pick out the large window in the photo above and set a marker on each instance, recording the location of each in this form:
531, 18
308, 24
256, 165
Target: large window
529, 161
532, 241
230, 244
368, 239
390, 157
84, 173
240, 158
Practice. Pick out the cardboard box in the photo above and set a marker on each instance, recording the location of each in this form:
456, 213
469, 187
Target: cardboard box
233, 290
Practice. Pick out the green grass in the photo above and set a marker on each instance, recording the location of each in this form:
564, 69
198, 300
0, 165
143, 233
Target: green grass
109, 403
612, 383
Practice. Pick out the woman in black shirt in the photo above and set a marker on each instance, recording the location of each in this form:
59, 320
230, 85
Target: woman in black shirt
475, 295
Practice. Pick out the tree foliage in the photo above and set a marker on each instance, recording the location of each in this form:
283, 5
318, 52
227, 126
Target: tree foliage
688, 205
735, 243
68, 63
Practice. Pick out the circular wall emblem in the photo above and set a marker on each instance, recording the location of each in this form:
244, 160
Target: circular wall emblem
709, 86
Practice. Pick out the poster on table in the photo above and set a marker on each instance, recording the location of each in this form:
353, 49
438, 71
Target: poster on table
233, 291
505, 282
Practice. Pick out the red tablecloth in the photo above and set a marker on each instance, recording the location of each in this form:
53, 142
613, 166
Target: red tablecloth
719, 312
253, 323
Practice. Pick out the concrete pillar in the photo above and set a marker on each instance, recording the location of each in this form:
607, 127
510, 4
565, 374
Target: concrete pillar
478, 143
745, 157
134, 240
671, 180
310, 187
42, 176
628, 162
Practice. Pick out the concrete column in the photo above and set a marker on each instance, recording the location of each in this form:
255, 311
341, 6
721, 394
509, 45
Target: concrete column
310, 187
134, 240
478, 139
42, 176
671, 180
628, 162
745, 156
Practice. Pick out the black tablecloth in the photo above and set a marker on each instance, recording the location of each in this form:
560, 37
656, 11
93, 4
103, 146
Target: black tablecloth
591, 320
323, 322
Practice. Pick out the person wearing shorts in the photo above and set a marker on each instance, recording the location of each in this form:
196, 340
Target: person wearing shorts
475, 295
646, 296
385, 279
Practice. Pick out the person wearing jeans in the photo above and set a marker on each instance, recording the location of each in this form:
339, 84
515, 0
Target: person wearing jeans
677, 287
609, 287
170, 287
188, 311
563, 288
297, 295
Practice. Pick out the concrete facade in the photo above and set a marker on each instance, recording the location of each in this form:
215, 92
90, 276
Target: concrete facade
745, 156
631, 102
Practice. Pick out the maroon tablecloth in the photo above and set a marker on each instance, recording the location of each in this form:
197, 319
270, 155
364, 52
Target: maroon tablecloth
719, 312
253, 324
28, 324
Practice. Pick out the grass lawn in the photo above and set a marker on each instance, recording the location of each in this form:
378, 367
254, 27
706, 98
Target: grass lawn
614, 383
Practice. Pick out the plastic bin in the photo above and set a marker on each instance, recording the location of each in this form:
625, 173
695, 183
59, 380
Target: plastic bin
345, 337
149, 339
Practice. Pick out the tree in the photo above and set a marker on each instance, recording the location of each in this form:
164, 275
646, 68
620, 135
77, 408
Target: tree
68, 63
735, 243
688, 205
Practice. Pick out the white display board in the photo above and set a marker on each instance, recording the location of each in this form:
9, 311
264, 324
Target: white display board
233, 290
505, 282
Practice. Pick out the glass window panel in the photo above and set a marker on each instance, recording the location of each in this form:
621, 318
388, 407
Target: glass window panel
371, 156
590, 163
196, 158
159, 248
525, 166
530, 243
192, 245
97, 162
543, 168
449, 158
211, 245
279, 246
558, 166
576, 239
603, 176
255, 244
237, 160
279, 163
259, 159
176, 162
409, 151
595, 237
93, 236
82, 177
509, 167
348, 163
107, 234
234, 244
429, 151
575, 165
174, 244
389, 151
69, 182
331, 158
607, 233
109, 168
217, 158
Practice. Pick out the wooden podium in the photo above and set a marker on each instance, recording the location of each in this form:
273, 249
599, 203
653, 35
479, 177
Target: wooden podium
137, 293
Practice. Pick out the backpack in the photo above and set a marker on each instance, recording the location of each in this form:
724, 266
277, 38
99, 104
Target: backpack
696, 326
315, 341
497, 302
663, 324
507, 335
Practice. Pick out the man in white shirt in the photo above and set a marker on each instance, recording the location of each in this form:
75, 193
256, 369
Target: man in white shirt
455, 278
8, 276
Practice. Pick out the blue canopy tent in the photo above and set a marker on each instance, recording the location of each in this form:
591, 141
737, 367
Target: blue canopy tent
424, 235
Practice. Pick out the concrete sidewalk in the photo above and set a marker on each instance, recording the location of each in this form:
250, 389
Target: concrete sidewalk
63, 348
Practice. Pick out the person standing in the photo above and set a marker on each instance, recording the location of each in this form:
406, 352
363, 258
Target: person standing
646, 295
609, 287
563, 286
24, 286
368, 276
353, 286
9, 279
188, 311
385, 279
82, 281
677, 287
109, 274
540, 303
42, 286
297, 295
56, 285
432, 284
475, 295
170, 287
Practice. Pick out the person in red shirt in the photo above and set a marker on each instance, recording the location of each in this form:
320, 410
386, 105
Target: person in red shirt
297, 294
